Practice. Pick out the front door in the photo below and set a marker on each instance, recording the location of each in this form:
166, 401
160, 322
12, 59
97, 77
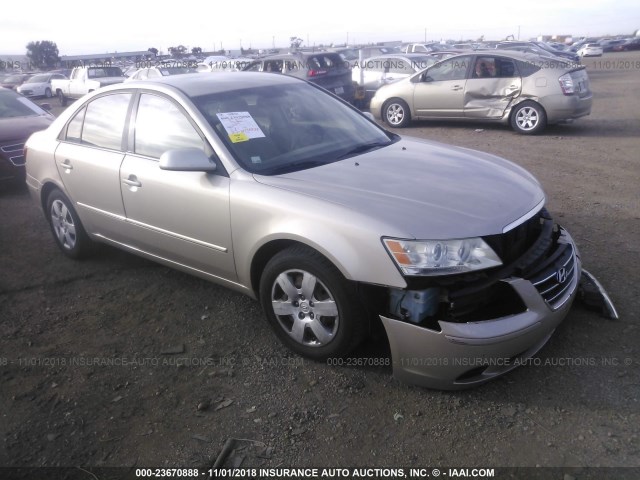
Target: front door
179, 216
439, 90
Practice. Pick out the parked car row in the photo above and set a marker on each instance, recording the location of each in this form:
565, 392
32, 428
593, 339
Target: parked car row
326, 69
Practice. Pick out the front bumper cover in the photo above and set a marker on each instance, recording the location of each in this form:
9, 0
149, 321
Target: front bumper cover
462, 355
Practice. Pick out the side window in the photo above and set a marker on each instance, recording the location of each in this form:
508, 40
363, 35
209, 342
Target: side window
506, 68
104, 121
273, 66
451, 69
400, 66
254, 67
375, 65
161, 126
74, 128
485, 67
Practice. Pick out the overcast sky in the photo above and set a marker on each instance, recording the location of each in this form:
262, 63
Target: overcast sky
80, 27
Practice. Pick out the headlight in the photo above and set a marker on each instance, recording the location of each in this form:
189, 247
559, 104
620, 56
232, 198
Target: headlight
441, 257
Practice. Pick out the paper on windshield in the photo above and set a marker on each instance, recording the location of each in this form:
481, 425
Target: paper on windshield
240, 126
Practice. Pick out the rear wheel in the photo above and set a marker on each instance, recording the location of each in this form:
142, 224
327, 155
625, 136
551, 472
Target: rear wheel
68, 232
528, 118
396, 113
62, 99
312, 308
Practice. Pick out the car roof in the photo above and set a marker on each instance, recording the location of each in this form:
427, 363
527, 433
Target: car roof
405, 56
196, 84
285, 56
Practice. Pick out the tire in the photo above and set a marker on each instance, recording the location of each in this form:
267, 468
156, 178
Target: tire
396, 113
528, 118
47, 92
314, 286
67, 230
62, 99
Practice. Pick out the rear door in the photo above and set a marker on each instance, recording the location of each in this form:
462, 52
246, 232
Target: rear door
88, 159
439, 90
493, 83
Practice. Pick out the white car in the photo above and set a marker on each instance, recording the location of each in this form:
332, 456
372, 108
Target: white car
39, 85
591, 50
158, 72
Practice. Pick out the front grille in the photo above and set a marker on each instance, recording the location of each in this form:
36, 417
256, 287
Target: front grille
556, 275
14, 153
513, 244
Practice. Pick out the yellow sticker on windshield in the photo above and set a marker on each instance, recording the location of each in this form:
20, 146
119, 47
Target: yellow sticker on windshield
240, 126
238, 137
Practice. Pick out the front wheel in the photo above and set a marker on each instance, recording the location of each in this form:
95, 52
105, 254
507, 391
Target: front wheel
528, 118
311, 307
47, 92
396, 113
66, 227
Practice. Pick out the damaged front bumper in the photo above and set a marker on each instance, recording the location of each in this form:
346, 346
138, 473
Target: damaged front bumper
460, 355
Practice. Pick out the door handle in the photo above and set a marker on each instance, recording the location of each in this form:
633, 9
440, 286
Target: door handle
132, 182
456, 88
66, 164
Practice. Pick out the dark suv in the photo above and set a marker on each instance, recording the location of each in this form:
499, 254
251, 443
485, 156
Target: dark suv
326, 69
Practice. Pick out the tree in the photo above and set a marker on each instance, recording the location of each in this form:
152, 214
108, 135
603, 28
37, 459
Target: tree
178, 51
196, 50
295, 42
43, 54
153, 50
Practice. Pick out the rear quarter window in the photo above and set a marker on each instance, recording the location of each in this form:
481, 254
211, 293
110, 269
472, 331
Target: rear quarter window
527, 68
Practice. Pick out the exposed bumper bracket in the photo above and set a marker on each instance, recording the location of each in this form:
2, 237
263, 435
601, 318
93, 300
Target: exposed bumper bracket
592, 294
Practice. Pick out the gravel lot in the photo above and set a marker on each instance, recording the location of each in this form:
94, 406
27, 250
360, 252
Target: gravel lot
116, 361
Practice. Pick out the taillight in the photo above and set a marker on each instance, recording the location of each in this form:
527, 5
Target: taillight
566, 84
315, 73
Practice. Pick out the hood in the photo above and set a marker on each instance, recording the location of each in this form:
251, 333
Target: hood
20, 128
423, 189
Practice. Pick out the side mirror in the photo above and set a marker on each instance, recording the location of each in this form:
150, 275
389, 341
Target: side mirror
186, 160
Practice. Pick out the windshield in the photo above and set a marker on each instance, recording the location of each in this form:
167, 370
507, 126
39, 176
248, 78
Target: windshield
13, 105
104, 72
38, 79
284, 128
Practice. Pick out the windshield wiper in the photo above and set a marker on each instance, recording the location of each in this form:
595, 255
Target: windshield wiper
365, 147
294, 167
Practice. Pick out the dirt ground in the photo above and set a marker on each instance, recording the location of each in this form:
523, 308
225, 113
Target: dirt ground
116, 361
